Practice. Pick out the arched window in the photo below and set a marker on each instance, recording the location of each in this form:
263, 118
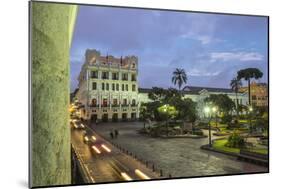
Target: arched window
94, 102
133, 102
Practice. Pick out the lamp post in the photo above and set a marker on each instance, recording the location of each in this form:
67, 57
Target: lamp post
209, 112
165, 110
214, 109
250, 118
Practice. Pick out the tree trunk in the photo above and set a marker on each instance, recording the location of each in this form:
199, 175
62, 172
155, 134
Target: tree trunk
249, 91
237, 106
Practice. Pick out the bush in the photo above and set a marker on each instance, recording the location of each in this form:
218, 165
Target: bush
226, 119
198, 132
235, 141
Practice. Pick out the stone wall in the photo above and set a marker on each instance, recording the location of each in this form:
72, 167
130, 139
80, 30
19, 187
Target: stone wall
51, 27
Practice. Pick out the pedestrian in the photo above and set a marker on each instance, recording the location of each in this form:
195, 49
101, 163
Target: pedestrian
111, 135
116, 133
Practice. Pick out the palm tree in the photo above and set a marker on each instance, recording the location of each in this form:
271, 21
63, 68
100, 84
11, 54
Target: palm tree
235, 85
248, 74
179, 77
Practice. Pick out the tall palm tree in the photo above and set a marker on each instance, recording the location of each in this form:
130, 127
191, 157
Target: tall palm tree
248, 74
235, 85
179, 77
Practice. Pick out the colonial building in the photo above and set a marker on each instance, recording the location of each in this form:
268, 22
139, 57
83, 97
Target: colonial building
259, 94
108, 88
198, 94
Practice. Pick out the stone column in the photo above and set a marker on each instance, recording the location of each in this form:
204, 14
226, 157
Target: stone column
51, 31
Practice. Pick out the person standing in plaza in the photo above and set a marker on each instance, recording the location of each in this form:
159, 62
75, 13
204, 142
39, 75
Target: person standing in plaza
116, 133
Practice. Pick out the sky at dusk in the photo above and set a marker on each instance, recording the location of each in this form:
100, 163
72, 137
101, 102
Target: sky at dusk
210, 47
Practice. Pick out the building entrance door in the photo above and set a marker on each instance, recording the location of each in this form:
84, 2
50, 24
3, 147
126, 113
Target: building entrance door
133, 116
115, 117
94, 118
124, 116
105, 117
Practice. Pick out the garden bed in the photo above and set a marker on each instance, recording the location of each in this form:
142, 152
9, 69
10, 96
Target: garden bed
183, 136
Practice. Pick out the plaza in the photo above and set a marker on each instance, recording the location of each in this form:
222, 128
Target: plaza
180, 157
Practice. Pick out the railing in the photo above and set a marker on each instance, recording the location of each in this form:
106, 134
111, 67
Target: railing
104, 106
79, 167
94, 105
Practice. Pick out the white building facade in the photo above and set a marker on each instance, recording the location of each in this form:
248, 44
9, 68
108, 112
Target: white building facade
108, 88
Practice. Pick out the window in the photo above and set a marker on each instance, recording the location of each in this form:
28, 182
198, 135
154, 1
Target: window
115, 102
104, 75
102, 86
133, 102
113, 86
133, 65
107, 87
133, 87
115, 76
94, 86
94, 74
254, 97
104, 102
124, 101
133, 77
123, 87
117, 87
125, 77
127, 88
94, 102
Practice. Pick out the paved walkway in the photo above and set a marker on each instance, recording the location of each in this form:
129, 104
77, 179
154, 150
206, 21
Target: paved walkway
180, 157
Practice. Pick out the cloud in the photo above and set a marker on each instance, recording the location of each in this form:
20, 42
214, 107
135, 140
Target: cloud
236, 56
204, 39
197, 72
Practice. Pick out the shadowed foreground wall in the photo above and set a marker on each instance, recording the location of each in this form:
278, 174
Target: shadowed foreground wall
51, 27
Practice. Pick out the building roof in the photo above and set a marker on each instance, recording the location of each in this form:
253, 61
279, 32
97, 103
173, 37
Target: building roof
210, 89
194, 90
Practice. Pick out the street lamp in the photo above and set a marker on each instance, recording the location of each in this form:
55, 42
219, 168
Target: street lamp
215, 109
250, 117
209, 112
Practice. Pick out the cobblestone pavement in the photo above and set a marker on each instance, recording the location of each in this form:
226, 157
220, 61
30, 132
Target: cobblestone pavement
181, 157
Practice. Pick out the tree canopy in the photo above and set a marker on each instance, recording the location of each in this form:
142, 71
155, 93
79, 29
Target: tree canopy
222, 101
249, 73
179, 77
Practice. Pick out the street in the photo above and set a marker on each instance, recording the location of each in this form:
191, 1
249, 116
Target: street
107, 167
